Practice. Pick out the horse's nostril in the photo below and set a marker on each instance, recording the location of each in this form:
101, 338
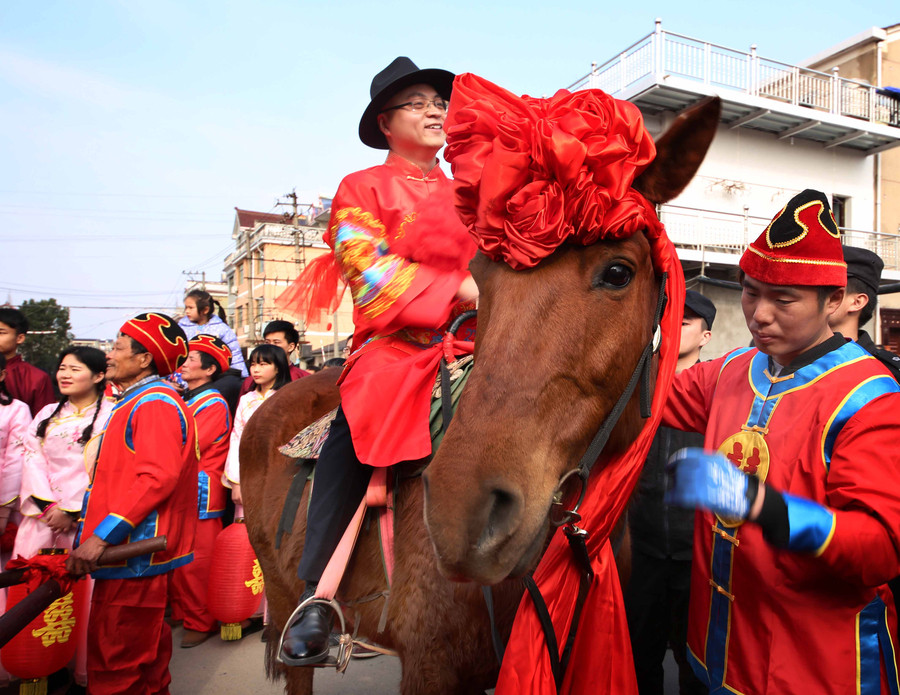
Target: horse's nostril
503, 518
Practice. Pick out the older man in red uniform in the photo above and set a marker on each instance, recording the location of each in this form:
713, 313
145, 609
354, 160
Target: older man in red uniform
208, 357
799, 528
144, 484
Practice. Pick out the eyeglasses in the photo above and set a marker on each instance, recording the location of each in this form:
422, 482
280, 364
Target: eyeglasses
439, 103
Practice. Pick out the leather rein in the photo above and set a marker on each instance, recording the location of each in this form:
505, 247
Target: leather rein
561, 513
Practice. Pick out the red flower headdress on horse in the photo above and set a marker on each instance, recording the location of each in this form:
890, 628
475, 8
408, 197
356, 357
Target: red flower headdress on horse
530, 175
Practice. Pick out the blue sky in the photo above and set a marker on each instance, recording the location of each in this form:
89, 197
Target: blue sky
132, 128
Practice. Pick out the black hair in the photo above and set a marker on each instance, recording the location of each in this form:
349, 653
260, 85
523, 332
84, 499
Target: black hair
138, 349
5, 397
14, 318
206, 304
695, 315
824, 292
857, 286
207, 361
291, 334
334, 362
93, 359
272, 354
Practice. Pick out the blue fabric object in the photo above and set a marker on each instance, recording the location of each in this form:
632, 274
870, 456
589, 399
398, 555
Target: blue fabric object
812, 525
709, 480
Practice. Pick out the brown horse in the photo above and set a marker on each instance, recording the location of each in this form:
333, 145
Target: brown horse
440, 628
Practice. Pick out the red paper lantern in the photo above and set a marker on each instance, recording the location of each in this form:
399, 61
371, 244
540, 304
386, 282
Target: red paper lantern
49, 641
235, 580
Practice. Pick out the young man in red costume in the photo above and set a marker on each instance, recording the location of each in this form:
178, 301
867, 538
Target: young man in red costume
799, 528
24, 381
144, 484
407, 278
208, 357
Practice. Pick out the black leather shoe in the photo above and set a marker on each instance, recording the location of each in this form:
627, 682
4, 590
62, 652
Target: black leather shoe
306, 638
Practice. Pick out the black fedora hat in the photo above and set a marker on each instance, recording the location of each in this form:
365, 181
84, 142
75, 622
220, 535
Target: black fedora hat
399, 74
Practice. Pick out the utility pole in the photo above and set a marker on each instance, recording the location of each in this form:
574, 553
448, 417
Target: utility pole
299, 248
251, 308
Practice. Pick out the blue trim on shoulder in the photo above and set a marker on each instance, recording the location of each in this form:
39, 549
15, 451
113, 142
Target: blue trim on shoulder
811, 524
206, 400
731, 355
864, 393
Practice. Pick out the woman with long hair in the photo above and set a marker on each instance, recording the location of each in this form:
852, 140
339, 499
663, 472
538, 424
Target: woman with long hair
60, 449
270, 371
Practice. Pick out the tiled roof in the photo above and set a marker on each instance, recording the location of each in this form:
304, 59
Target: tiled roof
248, 218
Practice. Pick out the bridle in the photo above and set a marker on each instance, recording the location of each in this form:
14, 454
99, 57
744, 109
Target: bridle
562, 514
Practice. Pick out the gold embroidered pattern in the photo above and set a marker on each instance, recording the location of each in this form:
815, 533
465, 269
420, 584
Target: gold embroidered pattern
804, 261
256, 584
358, 217
59, 621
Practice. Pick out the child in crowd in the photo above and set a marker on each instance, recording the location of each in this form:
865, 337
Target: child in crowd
269, 369
200, 317
24, 381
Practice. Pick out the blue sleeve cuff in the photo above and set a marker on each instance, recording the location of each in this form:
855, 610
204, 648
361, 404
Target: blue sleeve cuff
812, 525
114, 529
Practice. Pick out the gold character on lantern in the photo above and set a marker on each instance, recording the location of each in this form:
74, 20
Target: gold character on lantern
60, 621
256, 584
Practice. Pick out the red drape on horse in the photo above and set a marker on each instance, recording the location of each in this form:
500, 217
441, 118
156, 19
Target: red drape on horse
531, 174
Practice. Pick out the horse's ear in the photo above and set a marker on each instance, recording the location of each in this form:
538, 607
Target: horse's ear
680, 151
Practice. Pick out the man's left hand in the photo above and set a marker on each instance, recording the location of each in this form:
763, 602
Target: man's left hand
83, 559
699, 478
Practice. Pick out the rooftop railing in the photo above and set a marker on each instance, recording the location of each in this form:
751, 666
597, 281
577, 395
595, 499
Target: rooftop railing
731, 233
664, 53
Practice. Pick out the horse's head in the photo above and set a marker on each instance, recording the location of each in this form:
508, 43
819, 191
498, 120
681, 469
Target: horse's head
556, 346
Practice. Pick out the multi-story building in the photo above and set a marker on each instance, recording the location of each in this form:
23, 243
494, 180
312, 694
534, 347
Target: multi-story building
873, 56
783, 128
271, 250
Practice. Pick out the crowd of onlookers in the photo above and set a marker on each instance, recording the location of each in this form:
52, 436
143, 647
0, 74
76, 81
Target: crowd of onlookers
51, 434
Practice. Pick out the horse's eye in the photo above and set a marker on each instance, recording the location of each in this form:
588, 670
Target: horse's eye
616, 275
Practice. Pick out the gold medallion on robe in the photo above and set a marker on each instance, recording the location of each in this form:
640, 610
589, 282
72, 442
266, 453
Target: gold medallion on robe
748, 451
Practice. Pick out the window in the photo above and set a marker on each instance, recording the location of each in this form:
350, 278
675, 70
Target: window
840, 205
259, 309
241, 272
240, 317
260, 264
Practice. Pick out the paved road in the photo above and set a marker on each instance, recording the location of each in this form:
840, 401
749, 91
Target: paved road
237, 668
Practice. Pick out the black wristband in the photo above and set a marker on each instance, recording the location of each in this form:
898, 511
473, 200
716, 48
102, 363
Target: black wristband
773, 519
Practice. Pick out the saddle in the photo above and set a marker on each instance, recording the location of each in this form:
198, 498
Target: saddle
378, 501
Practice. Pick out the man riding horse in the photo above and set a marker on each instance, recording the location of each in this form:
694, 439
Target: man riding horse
408, 280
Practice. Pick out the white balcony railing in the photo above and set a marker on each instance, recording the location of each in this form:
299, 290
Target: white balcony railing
730, 233
663, 53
